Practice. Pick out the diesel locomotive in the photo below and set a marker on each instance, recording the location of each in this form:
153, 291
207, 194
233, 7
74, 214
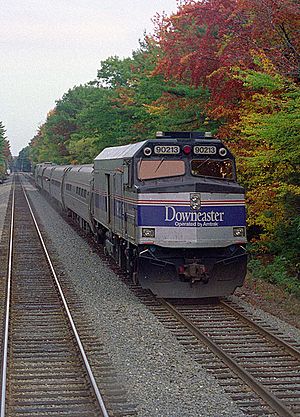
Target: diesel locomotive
168, 210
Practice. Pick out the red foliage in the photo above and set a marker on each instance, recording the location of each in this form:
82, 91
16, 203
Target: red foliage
203, 41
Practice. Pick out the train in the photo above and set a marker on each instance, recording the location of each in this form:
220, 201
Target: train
168, 210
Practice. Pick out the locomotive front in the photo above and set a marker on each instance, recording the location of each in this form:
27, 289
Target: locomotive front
191, 217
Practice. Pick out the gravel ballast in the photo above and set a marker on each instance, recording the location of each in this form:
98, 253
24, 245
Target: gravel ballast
159, 377
4, 196
284, 328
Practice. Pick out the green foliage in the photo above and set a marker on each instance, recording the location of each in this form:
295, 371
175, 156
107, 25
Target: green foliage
114, 72
88, 148
5, 155
270, 127
287, 241
2, 143
22, 163
276, 272
258, 80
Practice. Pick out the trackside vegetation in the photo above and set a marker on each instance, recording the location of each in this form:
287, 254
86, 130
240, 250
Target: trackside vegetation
5, 155
227, 66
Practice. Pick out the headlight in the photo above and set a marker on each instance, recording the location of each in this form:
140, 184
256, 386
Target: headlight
239, 231
223, 152
195, 201
148, 232
147, 151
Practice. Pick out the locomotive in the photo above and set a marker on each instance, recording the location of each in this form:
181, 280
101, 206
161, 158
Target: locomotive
168, 210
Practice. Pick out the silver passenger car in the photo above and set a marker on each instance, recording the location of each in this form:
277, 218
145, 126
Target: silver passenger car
56, 182
47, 174
76, 194
39, 172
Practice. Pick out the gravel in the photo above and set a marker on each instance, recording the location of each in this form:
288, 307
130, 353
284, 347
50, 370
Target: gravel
4, 195
284, 328
159, 377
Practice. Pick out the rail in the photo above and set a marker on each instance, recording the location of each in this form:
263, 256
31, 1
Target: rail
89, 373
275, 403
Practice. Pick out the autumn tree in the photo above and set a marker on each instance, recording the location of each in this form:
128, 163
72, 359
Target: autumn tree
203, 41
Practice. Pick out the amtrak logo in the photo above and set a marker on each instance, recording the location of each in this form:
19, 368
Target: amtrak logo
195, 201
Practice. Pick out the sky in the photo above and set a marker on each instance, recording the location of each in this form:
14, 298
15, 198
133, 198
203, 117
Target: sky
48, 47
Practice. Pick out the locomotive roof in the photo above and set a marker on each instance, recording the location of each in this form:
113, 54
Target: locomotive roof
128, 151
118, 152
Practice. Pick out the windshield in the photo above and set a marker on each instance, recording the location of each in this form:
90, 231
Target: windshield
151, 169
212, 168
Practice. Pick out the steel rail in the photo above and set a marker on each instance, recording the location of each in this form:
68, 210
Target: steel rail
277, 405
7, 310
75, 332
277, 340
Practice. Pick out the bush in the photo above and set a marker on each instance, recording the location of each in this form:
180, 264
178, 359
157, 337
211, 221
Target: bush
276, 272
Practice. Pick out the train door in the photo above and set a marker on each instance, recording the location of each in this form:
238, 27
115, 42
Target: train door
91, 203
108, 199
63, 187
119, 211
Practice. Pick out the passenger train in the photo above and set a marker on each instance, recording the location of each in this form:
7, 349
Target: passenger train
168, 210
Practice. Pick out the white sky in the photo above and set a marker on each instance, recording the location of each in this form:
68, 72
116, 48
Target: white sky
49, 46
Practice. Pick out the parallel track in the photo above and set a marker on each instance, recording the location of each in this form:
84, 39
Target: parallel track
45, 371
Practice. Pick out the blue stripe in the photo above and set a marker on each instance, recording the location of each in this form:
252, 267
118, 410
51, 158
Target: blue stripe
182, 216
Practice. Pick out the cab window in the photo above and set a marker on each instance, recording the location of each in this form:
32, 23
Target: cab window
151, 169
213, 168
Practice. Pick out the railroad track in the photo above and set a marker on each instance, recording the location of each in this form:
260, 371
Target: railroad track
258, 369
45, 370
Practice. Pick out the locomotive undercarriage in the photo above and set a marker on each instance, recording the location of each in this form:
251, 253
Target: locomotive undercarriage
180, 273
192, 273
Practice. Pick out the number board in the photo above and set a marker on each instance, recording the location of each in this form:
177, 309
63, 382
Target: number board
166, 150
205, 150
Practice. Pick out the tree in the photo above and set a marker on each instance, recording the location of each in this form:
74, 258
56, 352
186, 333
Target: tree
270, 128
23, 163
2, 142
5, 154
203, 41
